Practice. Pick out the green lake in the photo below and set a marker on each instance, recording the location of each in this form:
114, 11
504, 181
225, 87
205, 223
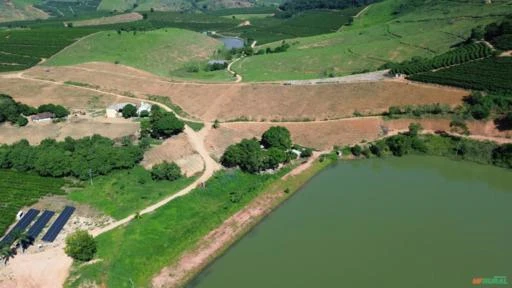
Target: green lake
397, 222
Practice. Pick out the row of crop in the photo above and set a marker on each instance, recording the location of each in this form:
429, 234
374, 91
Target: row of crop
26, 47
21, 189
460, 55
17, 59
491, 74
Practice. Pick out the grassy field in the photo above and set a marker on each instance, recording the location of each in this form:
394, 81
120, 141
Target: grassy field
19, 189
159, 51
134, 253
380, 35
125, 192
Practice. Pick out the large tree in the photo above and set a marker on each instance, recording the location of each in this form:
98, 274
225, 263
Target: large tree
277, 137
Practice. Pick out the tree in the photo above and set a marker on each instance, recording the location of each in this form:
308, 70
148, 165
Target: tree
58, 110
356, 150
459, 126
21, 121
166, 171
23, 240
80, 246
144, 114
165, 124
216, 124
399, 144
7, 253
129, 111
306, 153
415, 129
274, 157
277, 137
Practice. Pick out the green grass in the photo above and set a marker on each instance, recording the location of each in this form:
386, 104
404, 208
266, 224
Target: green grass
131, 255
196, 126
373, 39
125, 192
160, 51
18, 189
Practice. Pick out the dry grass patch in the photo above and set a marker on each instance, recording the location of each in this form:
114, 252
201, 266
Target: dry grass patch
122, 18
176, 149
265, 101
75, 128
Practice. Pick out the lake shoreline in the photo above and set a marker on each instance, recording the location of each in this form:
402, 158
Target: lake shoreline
217, 242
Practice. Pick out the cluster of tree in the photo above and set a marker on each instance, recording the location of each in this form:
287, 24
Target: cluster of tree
217, 66
292, 7
166, 171
498, 33
13, 111
80, 246
281, 48
82, 158
457, 56
251, 157
444, 145
161, 124
480, 106
418, 110
58, 110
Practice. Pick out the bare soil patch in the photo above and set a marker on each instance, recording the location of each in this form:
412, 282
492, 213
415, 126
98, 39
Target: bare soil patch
35, 93
123, 18
75, 127
261, 101
176, 149
319, 135
325, 134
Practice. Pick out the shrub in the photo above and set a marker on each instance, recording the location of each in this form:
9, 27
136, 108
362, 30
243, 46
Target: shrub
166, 171
80, 246
129, 111
22, 121
306, 153
144, 114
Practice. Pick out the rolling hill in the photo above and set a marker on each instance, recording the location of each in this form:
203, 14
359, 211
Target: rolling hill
392, 30
159, 51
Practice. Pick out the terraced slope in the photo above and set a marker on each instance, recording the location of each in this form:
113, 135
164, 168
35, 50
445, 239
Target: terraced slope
392, 30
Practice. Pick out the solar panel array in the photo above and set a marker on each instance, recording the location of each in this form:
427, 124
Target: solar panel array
57, 226
20, 226
41, 222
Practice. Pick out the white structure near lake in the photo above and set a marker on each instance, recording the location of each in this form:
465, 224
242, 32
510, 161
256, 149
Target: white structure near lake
115, 110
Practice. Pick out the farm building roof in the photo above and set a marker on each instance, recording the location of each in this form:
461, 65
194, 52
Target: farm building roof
212, 62
41, 116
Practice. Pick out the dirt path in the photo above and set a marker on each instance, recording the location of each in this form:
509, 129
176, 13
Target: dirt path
50, 269
238, 77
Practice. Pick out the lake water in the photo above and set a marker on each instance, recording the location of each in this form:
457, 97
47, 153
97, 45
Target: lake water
398, 222
232, 42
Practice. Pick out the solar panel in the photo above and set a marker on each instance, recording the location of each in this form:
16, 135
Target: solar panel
41, 222
57, 226
20, 226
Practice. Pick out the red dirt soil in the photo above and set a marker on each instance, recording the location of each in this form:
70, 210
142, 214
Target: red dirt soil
256, 101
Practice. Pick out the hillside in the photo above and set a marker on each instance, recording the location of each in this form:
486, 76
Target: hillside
159, 51
11, 10
392, 30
